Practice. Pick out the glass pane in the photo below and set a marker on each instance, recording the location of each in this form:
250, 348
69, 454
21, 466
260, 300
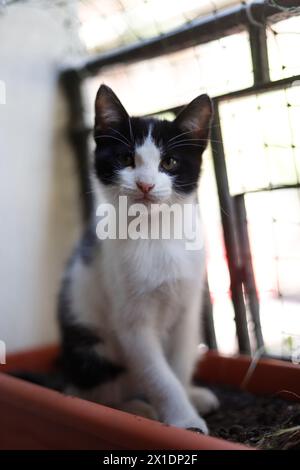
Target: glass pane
274, 230
109, 24
261, 141
283, 48
218, 276
174, 79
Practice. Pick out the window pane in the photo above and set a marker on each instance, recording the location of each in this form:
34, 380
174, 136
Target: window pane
174, 79
109, 24
274, 230
283, 48
218, 275
262, 144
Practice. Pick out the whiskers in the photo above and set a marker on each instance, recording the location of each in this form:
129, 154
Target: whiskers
127, 190
121, 135
107, 136
179, 140
201, 143
179, 135
185, 144
185, 185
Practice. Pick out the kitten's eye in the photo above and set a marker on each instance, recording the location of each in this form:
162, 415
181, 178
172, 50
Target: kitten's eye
127, 160
169, 164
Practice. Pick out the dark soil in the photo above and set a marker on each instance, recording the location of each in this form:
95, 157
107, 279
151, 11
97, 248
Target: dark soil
264, 422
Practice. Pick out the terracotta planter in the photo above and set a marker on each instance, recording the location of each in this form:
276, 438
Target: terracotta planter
33, 417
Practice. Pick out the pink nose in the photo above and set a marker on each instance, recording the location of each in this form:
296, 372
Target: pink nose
144, 187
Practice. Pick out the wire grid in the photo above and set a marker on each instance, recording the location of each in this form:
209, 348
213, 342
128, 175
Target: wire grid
106, 24
274, 230
193, 68
283, 43
216, 257
127, 21
262, 148
273, 216
271, 157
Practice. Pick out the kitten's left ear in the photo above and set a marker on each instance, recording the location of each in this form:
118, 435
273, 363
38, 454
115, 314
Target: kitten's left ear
109, 111
195, 119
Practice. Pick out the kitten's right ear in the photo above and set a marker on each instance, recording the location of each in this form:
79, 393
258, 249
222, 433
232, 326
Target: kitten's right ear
195, 119
109, 110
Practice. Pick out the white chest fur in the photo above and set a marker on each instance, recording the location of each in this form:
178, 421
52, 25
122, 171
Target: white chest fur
144, 265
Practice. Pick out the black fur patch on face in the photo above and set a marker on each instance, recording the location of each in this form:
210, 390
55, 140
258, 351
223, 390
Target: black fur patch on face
114, 145
108, 158
186, 152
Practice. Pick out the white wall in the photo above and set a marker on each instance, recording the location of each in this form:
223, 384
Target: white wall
39, 208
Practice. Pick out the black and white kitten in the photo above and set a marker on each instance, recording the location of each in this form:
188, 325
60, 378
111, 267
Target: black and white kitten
129, 309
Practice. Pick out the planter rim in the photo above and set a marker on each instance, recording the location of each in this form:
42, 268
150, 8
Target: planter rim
266, 376
118, 429
85, 425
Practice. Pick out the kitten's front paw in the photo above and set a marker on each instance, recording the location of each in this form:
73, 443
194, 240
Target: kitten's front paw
203, 400
196, 424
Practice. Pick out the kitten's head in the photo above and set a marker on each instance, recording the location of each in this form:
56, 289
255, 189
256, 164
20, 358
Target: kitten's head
149, 159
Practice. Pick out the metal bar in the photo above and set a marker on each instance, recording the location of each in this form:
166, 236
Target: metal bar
248, 271
255, 89
260, 63
78, 134
228, 222
259, 53
261, 88
270, 188
208, 320
196, 32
